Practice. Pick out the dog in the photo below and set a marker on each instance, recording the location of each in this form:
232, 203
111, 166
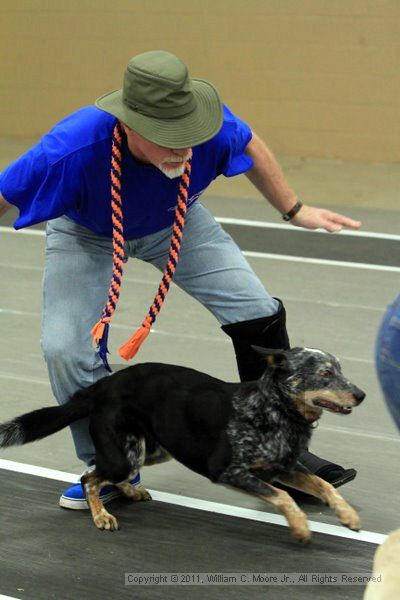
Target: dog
244, 435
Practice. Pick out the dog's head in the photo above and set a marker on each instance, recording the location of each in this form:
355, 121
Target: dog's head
313, 379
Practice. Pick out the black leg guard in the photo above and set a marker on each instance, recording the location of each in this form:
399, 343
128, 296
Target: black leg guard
267, 332
330, 472
270, 332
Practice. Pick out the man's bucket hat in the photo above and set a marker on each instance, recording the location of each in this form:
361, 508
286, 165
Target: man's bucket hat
160, 101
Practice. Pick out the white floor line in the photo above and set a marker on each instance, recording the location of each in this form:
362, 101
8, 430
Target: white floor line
287, 257
249, 223
2, 597
17, 467
205, 505
272, 225
321, 261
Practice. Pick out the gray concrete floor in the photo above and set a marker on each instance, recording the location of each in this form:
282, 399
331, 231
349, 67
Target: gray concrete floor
331, 307
156, 537
334, 308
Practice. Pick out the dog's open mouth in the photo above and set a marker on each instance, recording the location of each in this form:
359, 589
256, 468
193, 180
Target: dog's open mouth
344, 410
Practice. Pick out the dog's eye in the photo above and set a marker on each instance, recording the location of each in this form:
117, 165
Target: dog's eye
326, 373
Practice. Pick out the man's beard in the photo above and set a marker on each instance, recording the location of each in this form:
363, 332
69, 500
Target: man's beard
172, 173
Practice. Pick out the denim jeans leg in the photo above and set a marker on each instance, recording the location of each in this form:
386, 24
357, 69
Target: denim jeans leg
387, 356
212, 269
76, 279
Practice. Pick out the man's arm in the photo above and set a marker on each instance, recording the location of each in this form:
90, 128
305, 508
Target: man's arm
267, 177
4, 206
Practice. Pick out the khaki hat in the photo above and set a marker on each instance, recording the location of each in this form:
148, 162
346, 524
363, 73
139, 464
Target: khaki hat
160, 101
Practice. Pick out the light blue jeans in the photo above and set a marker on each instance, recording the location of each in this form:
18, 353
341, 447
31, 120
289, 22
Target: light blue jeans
77, 275
387, 355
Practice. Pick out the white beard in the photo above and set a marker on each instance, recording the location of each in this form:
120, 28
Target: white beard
172, 173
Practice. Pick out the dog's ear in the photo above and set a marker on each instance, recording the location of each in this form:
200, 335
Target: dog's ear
276, 358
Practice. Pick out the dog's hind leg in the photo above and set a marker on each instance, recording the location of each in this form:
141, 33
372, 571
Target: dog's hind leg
140, 452
118, 457
137, 493
135, 450
92, 484
311, 484
155, 453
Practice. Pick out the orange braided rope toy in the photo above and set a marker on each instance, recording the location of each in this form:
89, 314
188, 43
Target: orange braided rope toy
101, 329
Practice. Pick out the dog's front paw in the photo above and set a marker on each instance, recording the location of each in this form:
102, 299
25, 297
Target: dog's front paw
302, 533
145, 496
349, 518
106, 521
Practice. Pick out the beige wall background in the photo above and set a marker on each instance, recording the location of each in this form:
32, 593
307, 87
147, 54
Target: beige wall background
317, 78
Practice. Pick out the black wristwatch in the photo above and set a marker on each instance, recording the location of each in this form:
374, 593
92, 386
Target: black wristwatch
293, 211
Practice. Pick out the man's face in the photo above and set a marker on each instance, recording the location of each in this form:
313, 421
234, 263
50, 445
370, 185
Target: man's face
170, 161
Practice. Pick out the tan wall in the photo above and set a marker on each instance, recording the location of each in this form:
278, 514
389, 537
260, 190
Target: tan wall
313, 77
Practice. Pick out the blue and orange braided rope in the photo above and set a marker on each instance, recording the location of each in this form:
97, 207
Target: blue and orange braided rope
101, 329
130, 348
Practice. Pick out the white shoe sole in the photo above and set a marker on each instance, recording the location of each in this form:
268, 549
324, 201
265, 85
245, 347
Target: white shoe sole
72, 504
82, 504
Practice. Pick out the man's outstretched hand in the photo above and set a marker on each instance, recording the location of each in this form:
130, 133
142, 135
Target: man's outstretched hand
310, 217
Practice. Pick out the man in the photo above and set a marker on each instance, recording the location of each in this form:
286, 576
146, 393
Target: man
166, 121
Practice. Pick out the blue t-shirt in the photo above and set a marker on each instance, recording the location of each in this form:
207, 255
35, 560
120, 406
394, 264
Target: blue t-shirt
68, 173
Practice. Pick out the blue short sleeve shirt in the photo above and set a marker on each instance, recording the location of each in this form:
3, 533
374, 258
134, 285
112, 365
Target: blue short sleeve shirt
68, 173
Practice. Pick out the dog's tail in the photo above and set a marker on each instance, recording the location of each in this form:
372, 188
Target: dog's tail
43, 422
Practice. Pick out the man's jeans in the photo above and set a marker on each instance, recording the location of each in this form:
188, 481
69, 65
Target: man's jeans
77, 275
387, 355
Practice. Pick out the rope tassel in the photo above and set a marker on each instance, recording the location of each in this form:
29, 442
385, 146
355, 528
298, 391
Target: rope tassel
131, 347
100, 336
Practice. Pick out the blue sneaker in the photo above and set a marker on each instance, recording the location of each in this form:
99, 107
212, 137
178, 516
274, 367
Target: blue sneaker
74, 497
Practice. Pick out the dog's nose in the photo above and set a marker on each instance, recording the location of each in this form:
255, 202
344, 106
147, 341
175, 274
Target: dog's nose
359, 396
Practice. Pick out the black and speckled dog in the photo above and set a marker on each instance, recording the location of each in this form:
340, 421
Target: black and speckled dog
232, 433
